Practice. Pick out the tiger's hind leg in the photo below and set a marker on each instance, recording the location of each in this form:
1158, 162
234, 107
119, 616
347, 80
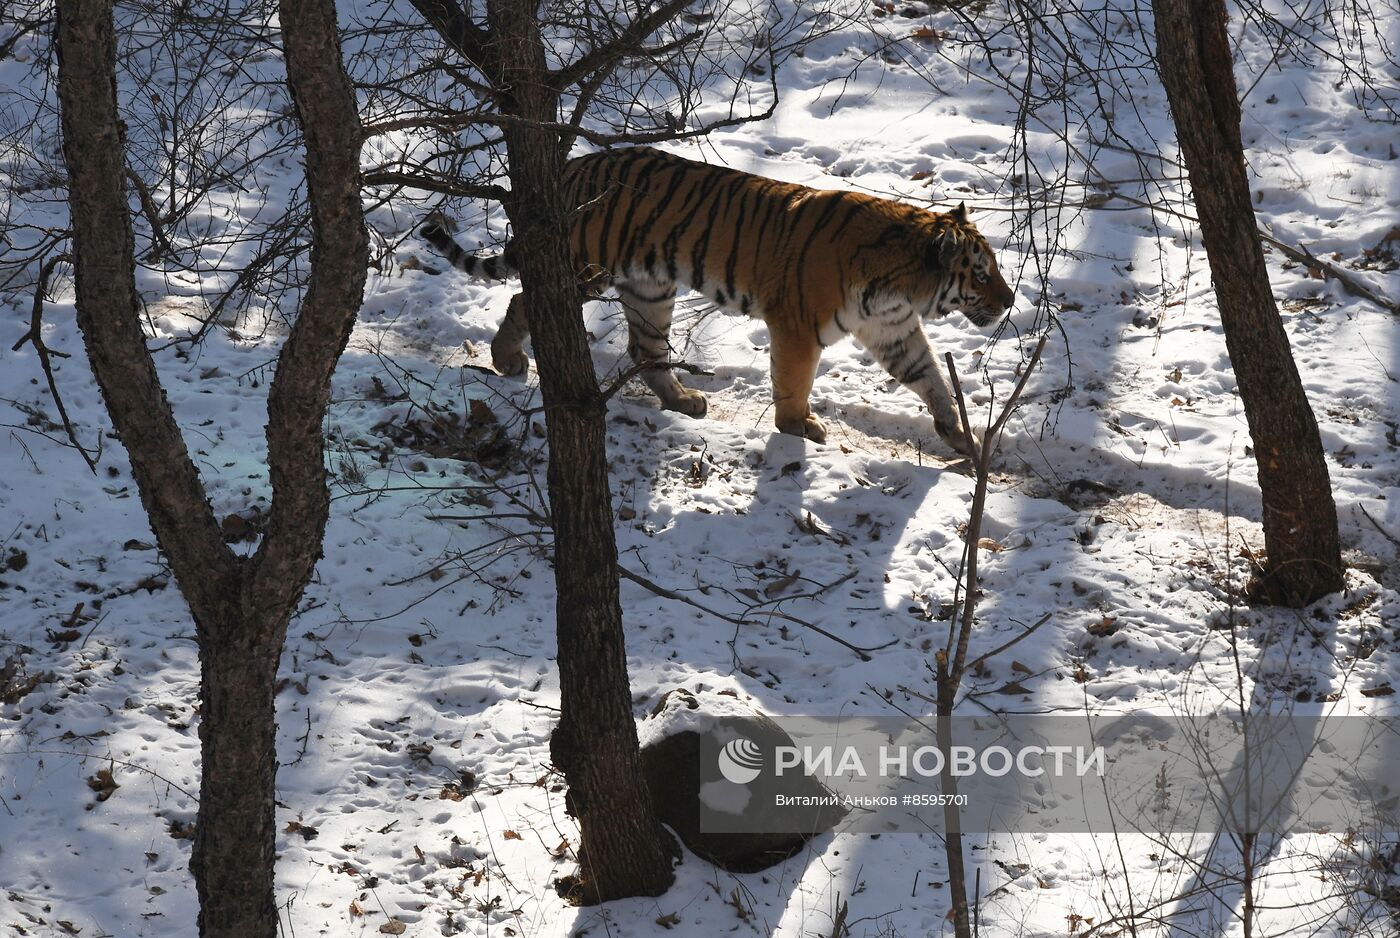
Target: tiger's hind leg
794, 359
648, 306
508, 347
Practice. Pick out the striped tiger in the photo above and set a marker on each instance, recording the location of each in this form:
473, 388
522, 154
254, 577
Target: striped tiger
815, 265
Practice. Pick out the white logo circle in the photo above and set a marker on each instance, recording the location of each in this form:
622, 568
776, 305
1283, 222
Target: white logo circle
740, 761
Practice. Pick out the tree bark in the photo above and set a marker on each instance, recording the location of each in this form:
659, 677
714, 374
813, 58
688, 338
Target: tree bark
624, 851
1301, 542
240, 605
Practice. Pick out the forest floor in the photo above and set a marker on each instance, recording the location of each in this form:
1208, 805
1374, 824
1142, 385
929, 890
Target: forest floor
420, 689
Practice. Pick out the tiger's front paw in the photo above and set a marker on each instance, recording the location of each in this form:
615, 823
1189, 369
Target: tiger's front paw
511, 362
809, 427
961, 439
689, 402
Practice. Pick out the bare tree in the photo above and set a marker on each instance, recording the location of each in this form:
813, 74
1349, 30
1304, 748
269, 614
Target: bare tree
240, 604
624, 850
538, 76
1304, 559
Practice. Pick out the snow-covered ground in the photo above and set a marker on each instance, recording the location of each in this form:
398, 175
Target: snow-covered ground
1123, 503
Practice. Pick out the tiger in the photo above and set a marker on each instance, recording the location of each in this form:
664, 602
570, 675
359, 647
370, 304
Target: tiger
815, 265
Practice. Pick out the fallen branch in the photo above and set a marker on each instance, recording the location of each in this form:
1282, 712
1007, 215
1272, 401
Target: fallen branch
1351, 283
862, 653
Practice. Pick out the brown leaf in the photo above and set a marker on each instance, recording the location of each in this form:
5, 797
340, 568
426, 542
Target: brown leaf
1012, 687
355, 910
1020, 668
668, 920
922, 174
480, 412
393, 927
306, 831
103, 784
626, 513
780, 585
1380, 690
236, 528
1104, 628
512, 835
987, 543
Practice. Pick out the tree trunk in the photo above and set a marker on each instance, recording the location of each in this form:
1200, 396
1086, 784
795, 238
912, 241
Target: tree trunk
1300, 518
624, 851
240, 605
235, 840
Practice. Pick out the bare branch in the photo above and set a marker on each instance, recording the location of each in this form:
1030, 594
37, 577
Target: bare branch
464, 119
35, 336
161, 246
431, 184
664, 593
458, 31
603, 59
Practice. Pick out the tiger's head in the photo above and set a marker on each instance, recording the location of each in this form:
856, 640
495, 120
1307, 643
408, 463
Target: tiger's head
971, 282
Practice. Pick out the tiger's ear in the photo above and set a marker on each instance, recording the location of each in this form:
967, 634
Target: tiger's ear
960, 213
940, 253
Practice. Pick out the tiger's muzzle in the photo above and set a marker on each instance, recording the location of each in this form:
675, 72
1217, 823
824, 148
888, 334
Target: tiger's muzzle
992, 308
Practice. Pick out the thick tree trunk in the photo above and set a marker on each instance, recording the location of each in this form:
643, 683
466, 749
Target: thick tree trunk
235, 840
240, 606
624, 850
1300, 518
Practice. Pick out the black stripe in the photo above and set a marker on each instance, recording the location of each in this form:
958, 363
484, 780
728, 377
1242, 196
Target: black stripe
702, 243
663, 201
833, 204
687, 217
731, 268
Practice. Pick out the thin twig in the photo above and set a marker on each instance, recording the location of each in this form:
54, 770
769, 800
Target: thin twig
161, 246
838, 927
1376, 524
35, 336
664, 593
975, 663
617, 383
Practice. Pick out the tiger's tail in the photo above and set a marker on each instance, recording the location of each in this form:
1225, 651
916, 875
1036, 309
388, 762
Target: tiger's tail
488, 266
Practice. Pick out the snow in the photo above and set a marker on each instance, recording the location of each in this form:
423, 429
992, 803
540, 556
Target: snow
1125, 493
